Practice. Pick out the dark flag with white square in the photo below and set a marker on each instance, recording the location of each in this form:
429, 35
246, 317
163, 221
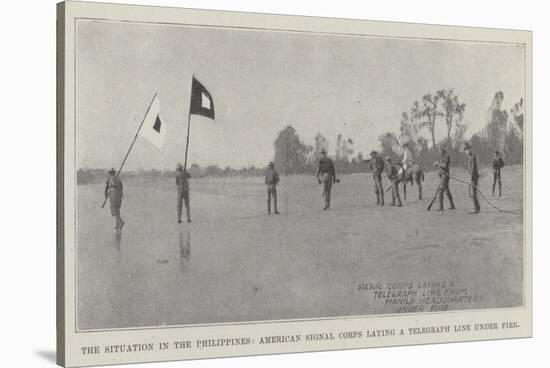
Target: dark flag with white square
201, 100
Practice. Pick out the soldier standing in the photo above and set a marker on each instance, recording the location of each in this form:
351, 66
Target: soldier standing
182, 182
444, 165
474, 176
271, 181
498, 163
326, 175
114, 191
377, 166
392, 172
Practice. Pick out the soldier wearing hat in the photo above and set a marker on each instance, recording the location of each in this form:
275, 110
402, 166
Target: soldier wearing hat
376, 164
326, 175
182, 183
271, 181
392, 172
497, 163
114, 191
444, 165
474, 176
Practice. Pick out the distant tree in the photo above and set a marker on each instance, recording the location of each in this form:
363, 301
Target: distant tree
513, 147
517, 114
453, 110
195, 171
427, 112
320, 143
290, 152
496, 128
388, 143
344, 148
213, 170
347, 148
408, 129
483, 150
459, 135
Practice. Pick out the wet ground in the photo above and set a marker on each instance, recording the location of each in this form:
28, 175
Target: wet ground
235, 263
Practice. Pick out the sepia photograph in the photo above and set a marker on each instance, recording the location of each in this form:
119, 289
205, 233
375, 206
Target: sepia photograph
235, 184
252, 175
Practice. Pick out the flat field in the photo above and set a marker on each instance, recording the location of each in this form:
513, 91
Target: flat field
235, 263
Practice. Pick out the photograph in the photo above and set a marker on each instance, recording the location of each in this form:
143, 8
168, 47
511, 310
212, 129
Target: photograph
236, 175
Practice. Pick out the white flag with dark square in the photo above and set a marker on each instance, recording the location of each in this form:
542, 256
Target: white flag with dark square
154, 128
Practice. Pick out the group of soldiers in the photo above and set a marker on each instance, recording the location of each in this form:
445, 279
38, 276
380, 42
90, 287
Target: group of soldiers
326, 175
114, 193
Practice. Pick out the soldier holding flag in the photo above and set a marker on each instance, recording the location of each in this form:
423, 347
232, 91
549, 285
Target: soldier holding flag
114, 192
201, 103
154, 132
182, 183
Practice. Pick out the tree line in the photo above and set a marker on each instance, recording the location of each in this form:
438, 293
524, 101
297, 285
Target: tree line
419, 127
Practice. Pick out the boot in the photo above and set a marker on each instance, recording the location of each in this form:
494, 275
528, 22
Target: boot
451, 201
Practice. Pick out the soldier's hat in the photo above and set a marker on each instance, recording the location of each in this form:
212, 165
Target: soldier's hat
496, 151
179, 167
112, 171
388, 158
373, 153
467, 146
271, 164
323, 151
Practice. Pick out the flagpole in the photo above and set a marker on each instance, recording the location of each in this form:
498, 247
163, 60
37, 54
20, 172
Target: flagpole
188, 126
137, 133
133, 141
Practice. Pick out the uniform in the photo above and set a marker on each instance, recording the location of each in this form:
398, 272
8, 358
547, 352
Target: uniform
326, 174
114, 191
377, 166
498, 163
474, 178
182, 182
271, 181
392, 172
444, 165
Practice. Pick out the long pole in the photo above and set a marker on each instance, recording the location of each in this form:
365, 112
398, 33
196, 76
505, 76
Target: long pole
137, 133
188, 125
187, 143
133, 141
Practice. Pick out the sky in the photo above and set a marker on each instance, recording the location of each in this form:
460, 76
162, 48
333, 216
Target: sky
262, 81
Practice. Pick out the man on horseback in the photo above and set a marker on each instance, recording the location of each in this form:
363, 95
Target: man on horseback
409, 172
407, 156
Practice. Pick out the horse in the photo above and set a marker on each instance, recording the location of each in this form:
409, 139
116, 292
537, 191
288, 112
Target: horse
413, 174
